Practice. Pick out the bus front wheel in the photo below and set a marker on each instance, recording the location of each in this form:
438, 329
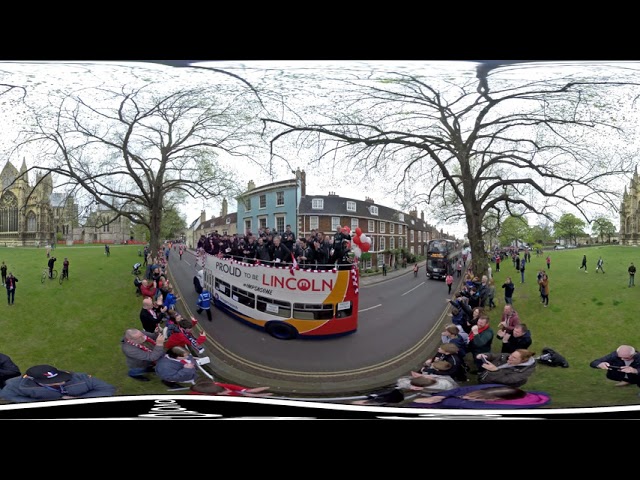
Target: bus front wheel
281, 330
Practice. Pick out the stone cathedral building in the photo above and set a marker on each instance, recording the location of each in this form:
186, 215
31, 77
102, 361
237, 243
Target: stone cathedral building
26, 213
630, 213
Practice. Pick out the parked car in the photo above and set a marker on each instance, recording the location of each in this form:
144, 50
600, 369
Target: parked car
559, 247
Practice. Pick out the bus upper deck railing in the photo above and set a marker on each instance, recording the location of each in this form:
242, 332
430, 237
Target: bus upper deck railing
308, 266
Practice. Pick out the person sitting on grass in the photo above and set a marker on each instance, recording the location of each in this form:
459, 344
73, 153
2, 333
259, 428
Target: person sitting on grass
45, 382
483, 397
622, 365
141, 349
512, 369
210, 387
175, 367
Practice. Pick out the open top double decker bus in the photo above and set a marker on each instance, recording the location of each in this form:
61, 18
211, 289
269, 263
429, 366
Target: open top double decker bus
286, 302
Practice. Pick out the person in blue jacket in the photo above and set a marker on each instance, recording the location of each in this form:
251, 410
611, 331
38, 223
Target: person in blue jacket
44, 382
204, 302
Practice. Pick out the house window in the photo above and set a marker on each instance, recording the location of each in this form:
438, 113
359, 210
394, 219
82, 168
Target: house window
392, 228
411, 236
411, 250
399, 242
419, 235
382, 227
279, 200
263, 201
401, 217
354, 224
228, 221
247, 225
372, 226
374, 210
247, 204
280, 224
313, 222
317, 204
351, 206
382, 243
400, 229
335, 222
392, 243
373, 244
262, 221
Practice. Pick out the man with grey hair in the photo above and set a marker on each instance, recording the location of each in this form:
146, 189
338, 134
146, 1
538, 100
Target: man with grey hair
622, 365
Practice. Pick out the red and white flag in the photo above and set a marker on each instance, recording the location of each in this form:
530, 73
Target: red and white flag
295, 265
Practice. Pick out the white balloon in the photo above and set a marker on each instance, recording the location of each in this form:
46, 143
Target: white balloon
356, 250
365, 239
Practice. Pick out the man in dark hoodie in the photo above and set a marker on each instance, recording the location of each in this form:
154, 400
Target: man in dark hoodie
519, 338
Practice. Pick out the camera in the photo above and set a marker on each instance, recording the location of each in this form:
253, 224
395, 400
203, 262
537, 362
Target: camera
613, 367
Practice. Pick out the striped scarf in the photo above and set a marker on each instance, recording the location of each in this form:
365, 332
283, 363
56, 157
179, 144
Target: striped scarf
149, 340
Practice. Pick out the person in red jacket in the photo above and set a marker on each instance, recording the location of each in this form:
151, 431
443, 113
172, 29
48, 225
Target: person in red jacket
148, 288
210, 387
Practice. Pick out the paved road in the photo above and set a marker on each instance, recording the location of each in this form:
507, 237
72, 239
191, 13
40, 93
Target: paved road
399, 315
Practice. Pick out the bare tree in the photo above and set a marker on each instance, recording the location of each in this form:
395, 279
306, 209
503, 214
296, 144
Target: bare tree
140, 150
496, 142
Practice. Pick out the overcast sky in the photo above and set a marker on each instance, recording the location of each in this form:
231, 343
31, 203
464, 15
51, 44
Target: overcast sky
42, 77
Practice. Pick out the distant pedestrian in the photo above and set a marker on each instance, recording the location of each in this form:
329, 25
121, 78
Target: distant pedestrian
449, 281
384, 269
509, 288
11, 287
548, 262
498, 260
522, 264
459, 268
3, 270
415, 270
584, 264
107, 251
544, 289
632, 274
599, 265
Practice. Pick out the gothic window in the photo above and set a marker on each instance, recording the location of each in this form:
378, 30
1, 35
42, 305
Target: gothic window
32, 224
8, 213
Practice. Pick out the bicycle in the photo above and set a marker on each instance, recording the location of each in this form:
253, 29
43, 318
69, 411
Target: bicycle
45, 274
64, 276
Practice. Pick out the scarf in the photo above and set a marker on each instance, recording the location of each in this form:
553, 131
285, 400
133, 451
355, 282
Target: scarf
480, 330
148, 340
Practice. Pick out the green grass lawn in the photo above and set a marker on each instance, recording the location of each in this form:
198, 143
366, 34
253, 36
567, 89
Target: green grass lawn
78, 326
589, 315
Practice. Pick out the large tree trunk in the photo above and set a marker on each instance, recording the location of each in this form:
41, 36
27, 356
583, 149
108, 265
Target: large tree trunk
478, 254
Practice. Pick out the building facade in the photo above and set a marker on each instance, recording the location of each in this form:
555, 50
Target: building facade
630, 213
26, 214
272, 205
102, 226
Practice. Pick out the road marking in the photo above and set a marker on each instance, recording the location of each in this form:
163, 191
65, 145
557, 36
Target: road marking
370, 308
412, 289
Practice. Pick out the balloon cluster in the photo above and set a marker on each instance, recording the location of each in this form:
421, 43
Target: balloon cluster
361, 241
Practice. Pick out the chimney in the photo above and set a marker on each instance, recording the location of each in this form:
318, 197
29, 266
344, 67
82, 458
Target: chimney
251, 185
225, 205
413, 213
303, 183
332, 194
203, 216
422, 215
368, 200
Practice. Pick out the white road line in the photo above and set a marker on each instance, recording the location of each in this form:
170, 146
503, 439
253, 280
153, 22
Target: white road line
412, 289
370, 308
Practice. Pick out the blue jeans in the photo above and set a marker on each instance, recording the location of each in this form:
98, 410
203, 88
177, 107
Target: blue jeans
137, 372
508, 300
632, 280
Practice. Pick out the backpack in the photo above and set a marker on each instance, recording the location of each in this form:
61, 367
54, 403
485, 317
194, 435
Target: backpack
552, 358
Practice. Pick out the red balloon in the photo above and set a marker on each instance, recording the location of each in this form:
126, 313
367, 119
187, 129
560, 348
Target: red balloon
346, 230
365, 247
358, 231
357, 241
